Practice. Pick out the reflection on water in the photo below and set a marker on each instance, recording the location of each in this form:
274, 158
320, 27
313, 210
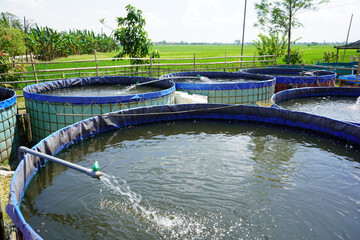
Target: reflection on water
101, 90
200, 180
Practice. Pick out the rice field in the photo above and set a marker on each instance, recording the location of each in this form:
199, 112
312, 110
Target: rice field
311, 54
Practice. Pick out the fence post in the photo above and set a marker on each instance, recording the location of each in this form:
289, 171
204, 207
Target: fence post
27, 130
150, 73
275, 60
225, 62
194, 63
96, 63
34, 69
254, 60
20, 123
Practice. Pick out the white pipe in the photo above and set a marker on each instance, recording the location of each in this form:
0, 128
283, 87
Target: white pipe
88, 171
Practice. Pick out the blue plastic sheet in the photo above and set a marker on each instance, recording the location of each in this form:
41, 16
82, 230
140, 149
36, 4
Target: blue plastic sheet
258, 81
350, 79
318, 75
31, 92
313, 92
7, 98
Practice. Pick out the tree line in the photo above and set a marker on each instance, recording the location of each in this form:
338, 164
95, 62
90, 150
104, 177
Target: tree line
46, 43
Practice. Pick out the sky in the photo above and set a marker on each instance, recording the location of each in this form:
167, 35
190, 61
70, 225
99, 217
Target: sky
188, 20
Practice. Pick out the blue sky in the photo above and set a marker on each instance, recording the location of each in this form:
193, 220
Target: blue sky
187, 20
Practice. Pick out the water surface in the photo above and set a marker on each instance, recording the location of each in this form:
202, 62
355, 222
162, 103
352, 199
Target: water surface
201, 180
339, 108
101, 90
203, 80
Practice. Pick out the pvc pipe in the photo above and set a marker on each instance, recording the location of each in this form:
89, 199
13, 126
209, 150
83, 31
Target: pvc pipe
88, 171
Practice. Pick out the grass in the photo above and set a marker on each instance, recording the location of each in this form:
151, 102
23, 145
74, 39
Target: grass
312, 54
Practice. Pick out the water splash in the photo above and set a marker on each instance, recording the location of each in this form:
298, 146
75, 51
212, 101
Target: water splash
356, 105
205, 79
128, 88
175, 223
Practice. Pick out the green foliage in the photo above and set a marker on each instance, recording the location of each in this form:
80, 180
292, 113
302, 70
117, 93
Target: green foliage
271, 45
281, 15
9, 20
9, 68
12, 40
48, 44
330, 57
296, 57
132, 36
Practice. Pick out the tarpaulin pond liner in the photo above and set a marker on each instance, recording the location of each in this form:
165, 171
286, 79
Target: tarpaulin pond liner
349, 80
249, 90
49, 113
287, 78
9, 141
334, 67
341, 103
64, 138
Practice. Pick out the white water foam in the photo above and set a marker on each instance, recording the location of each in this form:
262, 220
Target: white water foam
355, 106
177, 224
128, 88
205, 79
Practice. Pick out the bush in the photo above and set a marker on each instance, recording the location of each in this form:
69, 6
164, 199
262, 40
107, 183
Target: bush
329, 57
12, 41
296, 57
9, 68
270, 45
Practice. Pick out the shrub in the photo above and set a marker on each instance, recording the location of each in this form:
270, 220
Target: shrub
12, 41
9, 68
270, 45
329, 57
296, 57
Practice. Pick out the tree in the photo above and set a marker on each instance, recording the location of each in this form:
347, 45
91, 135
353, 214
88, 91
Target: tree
132, 36
9, 20
281, 15
237, 42
272, 45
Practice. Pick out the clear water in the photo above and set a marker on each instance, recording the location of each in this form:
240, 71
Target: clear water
211, 80
102, 90
201, 180
339, 108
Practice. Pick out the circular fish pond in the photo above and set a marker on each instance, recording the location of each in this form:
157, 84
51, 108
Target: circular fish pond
287, 78
226, 87
194, 171
340, 103
9, 140
54, 105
